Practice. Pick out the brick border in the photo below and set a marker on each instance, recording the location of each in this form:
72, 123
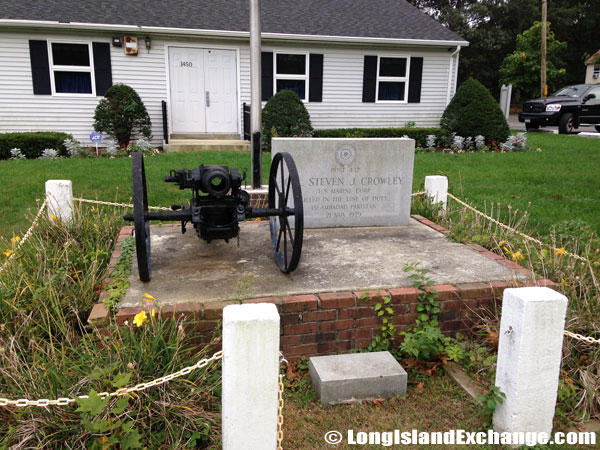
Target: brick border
333, 322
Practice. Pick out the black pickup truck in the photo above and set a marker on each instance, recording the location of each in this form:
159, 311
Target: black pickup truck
568, 108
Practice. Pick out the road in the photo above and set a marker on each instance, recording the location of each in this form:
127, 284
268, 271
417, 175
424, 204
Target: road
514, 124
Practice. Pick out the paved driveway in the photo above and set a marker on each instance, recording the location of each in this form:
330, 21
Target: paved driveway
514, 124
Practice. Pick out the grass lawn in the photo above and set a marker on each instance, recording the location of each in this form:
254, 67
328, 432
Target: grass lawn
561, 182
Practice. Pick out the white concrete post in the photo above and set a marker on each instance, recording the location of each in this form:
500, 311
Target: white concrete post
59, 197
529, 356
250, 376
436, 187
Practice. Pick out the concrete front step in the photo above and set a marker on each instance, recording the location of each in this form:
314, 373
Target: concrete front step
196, 145
205, 136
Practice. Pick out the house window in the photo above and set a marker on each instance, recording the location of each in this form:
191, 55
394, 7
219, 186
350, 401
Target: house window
392, 79
71, 70
291, 72
596, 73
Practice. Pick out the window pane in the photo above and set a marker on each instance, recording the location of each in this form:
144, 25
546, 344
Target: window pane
70, 54
392, 67
291, 64
389, 90
298, 86
73, 82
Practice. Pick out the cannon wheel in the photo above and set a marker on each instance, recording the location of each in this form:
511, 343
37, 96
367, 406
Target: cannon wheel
286, 234
140, 212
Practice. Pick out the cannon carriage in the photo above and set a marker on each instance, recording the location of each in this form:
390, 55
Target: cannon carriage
217, 206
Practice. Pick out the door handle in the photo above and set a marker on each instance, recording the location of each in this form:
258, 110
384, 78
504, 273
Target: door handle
207, 98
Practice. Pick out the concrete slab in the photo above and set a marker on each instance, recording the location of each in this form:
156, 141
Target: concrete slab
186, 269
356, 376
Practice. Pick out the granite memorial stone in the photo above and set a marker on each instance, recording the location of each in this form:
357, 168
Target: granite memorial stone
353, 182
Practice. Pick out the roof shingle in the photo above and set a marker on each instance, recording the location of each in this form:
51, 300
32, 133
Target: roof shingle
392, 19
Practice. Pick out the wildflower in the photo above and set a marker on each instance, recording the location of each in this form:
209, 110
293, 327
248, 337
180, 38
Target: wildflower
559, 251
7, 253
15, 239
517, 256
140, 318
501, 243
53, 217
148, 296
563, 282
130, 365
153, 313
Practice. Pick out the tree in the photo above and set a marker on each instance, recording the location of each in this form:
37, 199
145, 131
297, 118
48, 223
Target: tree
522, 67
122, 114
473, 111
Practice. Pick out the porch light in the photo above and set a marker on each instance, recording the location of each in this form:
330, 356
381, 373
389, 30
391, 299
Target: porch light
148, 43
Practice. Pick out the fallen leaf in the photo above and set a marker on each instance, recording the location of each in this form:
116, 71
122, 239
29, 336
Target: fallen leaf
420, 384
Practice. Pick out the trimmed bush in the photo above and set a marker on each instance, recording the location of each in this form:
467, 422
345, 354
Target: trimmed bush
33, 144
418, 134
285, 115
122, 114
474, 111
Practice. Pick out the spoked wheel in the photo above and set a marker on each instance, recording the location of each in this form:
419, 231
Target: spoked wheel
140, 214
288, 227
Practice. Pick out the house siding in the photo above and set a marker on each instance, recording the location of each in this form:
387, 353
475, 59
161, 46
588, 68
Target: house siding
342, 106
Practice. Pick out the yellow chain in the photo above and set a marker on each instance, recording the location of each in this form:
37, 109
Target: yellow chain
26, 235
580, 337
512, 230
119, 392
280, 415
125, 205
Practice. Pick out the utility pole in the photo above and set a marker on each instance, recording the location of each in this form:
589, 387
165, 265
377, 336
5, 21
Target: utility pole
255, 93
543, 87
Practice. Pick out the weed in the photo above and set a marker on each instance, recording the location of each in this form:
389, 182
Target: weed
490, 402
384, 339
244, 288
120, 275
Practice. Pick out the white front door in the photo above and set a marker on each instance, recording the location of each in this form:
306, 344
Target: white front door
203, 90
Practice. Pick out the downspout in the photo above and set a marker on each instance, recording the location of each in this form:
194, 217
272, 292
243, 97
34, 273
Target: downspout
451, 72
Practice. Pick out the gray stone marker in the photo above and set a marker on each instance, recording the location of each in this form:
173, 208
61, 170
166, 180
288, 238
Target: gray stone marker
353, 182
356, 376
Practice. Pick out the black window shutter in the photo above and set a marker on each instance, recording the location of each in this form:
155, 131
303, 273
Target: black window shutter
369, 79
40, 69
102, 67
267, 75
315, 87
414, 80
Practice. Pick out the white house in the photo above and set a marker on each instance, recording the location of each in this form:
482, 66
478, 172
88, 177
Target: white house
355, 63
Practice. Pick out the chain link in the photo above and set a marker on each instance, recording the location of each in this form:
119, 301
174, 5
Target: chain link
21, 403
512, 230
25, 236
414, 194
280, 415
580, 337
124, 205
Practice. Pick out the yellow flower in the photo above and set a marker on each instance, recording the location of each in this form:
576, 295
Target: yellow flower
517, 256
559, 251
7, 253
501, 243
153, 313
15, 239
563, 282
140, 318
149, 296
53, 217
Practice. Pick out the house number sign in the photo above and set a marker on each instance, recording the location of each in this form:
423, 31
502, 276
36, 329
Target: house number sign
186, 64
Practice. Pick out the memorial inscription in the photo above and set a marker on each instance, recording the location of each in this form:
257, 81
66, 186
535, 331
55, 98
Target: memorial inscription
353, 182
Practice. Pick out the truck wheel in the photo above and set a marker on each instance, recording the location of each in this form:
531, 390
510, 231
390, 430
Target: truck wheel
597, 127
566, 123
532, 126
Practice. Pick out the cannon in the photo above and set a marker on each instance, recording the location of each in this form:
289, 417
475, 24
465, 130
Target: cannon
219, 203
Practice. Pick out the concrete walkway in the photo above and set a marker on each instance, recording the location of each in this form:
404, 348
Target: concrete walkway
185, 269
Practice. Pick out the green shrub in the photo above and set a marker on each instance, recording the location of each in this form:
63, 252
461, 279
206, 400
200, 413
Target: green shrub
122, 114
32, 144
285, 115
418, 134
474, 111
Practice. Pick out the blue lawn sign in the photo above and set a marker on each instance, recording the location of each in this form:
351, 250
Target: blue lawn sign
96, 138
